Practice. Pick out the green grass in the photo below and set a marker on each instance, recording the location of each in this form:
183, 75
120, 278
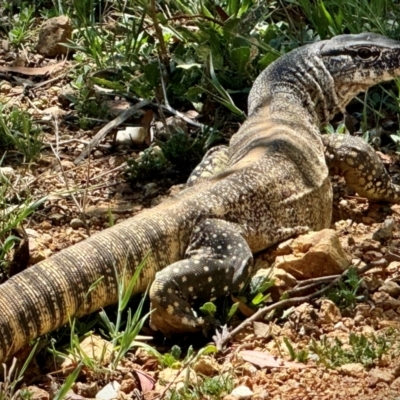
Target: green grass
345, 294
333, 352
363, 349
18, 133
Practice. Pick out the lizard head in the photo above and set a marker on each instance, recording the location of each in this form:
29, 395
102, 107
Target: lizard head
324, 76
357, 62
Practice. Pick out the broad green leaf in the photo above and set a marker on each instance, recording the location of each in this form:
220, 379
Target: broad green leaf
267, 60
240, 57
152, 73
208, 309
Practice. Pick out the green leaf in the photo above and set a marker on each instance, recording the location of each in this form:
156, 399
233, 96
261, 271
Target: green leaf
225, 99
240, 57
290, 348
232, 311
208, 309
260, 298
267, 60
107, 84
66, 386
152, 74
127, 293
176, 352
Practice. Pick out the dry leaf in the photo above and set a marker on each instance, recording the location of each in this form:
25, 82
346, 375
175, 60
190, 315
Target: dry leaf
146, 381
48, 69
265, 360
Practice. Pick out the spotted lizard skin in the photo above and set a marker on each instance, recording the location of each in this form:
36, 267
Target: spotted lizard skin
270, 184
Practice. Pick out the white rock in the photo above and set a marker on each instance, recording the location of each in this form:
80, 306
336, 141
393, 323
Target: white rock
109, 392
131, 135
7, 172
242, 392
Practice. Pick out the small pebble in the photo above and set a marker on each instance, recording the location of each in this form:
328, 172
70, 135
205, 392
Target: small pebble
242, 392
76, 223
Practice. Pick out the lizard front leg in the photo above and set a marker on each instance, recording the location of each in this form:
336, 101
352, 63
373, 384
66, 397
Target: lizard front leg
214, 162
361, 167
218, 262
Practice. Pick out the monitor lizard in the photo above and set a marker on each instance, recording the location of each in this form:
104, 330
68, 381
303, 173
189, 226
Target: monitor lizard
270, 184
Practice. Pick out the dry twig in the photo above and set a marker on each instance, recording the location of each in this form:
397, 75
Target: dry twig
221, 339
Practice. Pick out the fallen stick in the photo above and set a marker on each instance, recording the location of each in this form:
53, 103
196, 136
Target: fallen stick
223, 337
111, 125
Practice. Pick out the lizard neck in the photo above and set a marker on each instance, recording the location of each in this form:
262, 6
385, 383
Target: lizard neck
289, 101
302, 81
283, 119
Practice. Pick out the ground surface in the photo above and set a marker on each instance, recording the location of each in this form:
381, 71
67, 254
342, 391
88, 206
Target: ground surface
101, 195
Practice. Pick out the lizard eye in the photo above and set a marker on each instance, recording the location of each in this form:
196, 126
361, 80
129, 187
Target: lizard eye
364, 53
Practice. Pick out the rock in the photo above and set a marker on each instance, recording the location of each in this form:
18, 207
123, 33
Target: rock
76, 223
329, 313
88, 390
207, 366
109, 392
395, 368
5, 87
46, 225
71, 395
283, 280
391, 288
377, 375
385, 232
150, 189
395, 385
95, 348
382, 299
340, 326
128, 385
56, 218
36, 393
52, 112
66, 96
241, 392
352, 369
313, 255
176, 378
53, 32
6, 172
359, 319
393, 267
131, 135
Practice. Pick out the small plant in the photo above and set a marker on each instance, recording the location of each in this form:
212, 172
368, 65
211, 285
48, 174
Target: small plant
300, 356
214, 388
84, 100
360, 349
17, 132
181, 152
344, 295
67, 385
21, 28
122, 340
12, 216
171, 359
151, 162
12, 377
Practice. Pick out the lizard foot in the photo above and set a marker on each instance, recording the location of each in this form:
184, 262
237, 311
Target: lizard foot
214, 162
218, 262
360, 166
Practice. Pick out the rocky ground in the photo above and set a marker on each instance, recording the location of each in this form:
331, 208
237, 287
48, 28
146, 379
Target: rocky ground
317, 350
